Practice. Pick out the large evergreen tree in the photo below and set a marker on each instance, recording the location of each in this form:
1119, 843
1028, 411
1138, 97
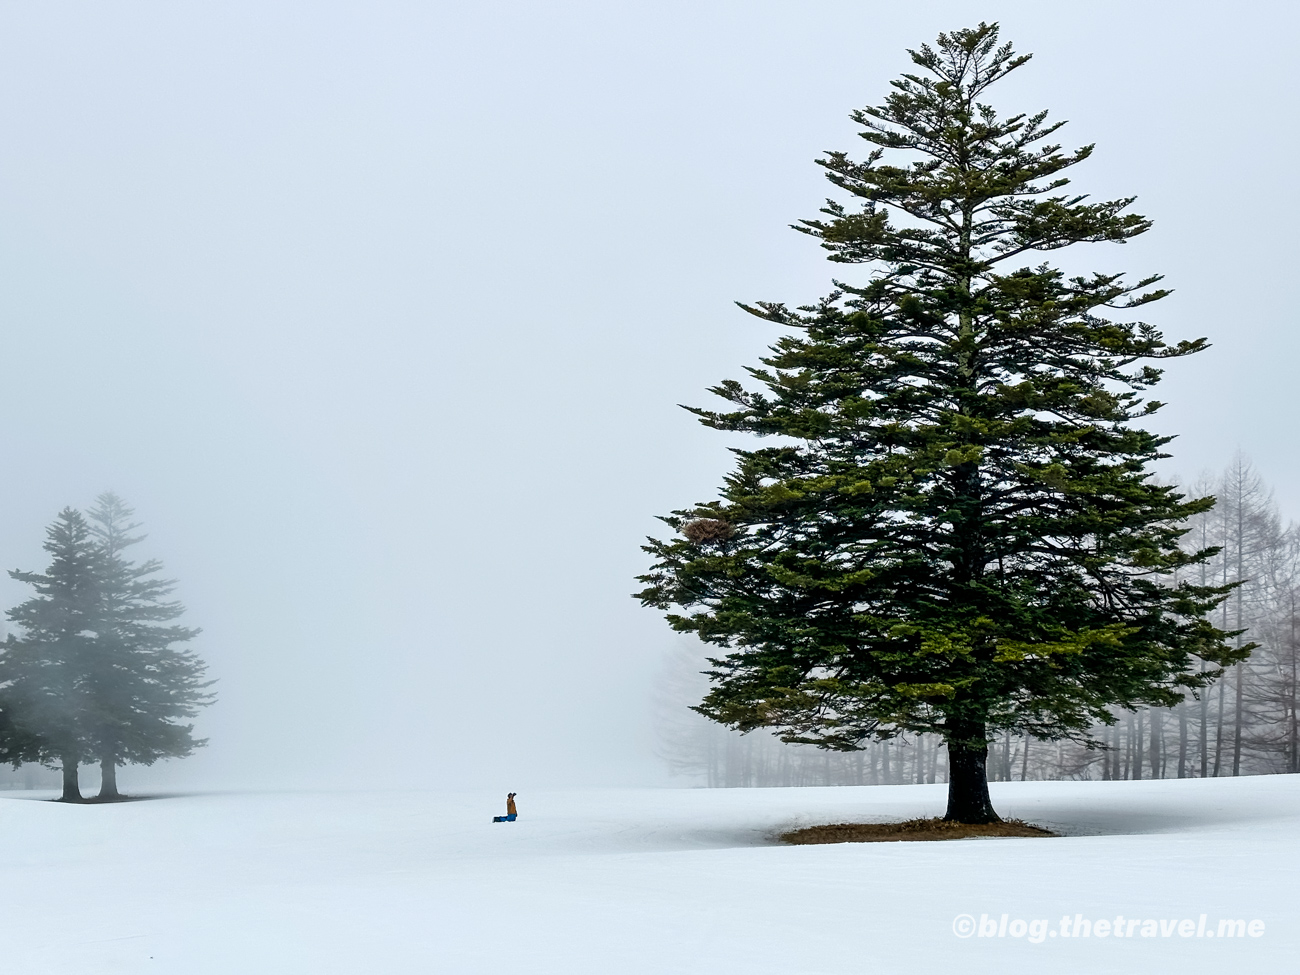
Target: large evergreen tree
956, 531
141, 678
98, 671
43, 688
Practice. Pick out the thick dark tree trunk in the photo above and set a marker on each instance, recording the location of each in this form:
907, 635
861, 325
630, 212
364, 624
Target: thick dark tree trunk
108, 778
968, 783
71, 787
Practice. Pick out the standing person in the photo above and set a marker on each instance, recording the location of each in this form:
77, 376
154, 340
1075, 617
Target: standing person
512, 813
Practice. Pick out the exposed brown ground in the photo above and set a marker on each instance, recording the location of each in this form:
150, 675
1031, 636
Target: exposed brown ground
912, 829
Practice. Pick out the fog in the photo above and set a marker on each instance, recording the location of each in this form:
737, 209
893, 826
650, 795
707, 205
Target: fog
378, 315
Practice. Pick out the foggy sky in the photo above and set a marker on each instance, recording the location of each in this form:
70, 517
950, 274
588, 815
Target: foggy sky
378, 315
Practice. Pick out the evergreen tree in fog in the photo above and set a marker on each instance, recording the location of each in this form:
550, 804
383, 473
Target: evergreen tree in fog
141, 679
98, 671
956, 533
44, 670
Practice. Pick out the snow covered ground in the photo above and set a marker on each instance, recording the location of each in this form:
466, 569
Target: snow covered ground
647, 881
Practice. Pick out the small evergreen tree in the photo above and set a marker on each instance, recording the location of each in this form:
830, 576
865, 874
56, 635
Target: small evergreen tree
43, 670
141, 679
957, 532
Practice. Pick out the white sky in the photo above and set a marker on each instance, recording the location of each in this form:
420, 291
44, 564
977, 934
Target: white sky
378, 314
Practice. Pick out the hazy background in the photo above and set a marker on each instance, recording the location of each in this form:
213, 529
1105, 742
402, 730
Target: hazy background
378, 313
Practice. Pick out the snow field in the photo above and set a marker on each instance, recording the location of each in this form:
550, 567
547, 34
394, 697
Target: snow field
643, 881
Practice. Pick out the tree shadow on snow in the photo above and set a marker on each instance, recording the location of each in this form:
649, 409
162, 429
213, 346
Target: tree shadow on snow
102, 800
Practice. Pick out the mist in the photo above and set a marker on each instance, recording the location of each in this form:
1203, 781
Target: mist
379, 314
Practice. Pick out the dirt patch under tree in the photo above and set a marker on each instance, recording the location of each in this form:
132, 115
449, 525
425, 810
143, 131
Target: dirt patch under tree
912, 829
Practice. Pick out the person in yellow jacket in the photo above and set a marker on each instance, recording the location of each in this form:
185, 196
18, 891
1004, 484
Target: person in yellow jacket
512, 813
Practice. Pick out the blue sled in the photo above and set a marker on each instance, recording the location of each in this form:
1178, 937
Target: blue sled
505, 819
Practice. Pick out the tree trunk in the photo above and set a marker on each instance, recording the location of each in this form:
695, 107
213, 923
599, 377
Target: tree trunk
108, 778
1115, 771
1137, 747
1218, 733
1236, 716
1182, 740
1128, 746
1293, 730
1157, 739
1241, 577
71, 787
968, 784
1205, 730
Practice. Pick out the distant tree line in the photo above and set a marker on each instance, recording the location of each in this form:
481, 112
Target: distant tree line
1245, 723
97, 670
